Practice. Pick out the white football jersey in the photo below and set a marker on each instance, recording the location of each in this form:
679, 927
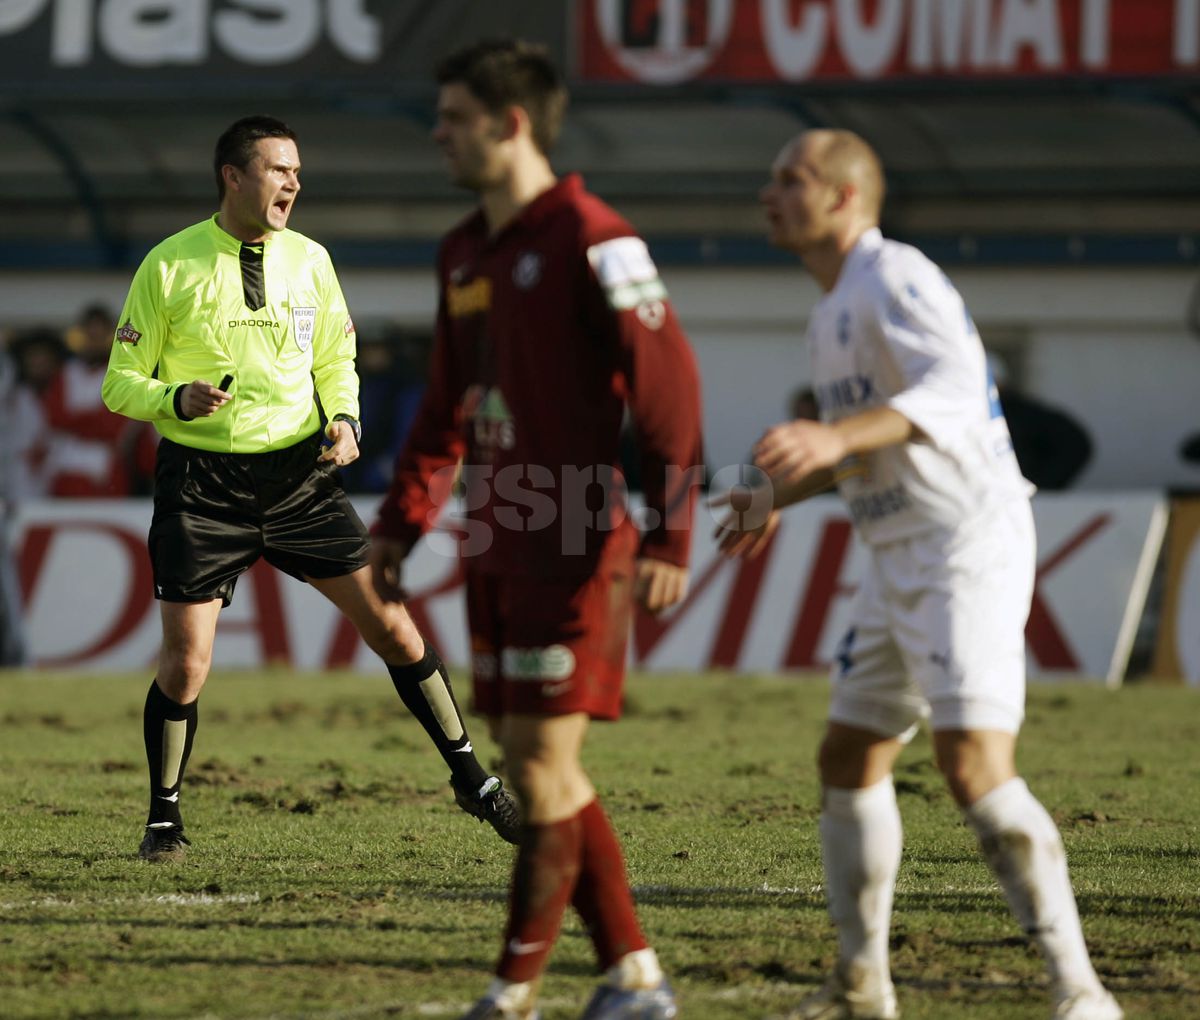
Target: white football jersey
894, 332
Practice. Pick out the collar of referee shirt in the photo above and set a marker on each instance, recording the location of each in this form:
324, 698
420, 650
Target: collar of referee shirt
250, 256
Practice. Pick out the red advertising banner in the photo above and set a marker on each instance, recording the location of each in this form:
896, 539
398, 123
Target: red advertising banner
671, 41
89, 601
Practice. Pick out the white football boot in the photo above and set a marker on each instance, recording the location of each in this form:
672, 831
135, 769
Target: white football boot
836, 1001
1094, 1004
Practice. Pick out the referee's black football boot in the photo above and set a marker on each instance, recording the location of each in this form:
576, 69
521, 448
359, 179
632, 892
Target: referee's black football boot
163, 843
492, 804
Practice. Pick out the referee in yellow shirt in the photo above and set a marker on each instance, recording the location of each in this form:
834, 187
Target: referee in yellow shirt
234, 338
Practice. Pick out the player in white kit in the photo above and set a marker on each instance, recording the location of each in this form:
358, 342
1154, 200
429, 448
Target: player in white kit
912, 434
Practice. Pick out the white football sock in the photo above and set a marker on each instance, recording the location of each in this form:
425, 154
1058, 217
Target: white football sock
516, 996
860, 843
639, 969
1021, 843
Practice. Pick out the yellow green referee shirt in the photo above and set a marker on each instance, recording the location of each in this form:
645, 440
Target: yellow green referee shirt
203, 305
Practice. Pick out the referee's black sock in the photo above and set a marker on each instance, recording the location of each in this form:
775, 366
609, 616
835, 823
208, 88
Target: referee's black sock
424, 687
169, 729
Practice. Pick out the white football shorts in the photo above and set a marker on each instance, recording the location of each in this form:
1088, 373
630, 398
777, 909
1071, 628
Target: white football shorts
938, 631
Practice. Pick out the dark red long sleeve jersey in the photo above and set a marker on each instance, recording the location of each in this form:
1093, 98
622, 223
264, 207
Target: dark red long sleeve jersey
545, 332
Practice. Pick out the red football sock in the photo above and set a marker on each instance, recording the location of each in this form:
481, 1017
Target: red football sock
544, 878
602, 894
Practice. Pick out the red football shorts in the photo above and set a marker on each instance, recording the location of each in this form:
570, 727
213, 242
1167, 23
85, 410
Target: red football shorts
550, 646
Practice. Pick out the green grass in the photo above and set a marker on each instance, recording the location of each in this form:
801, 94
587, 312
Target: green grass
331, 876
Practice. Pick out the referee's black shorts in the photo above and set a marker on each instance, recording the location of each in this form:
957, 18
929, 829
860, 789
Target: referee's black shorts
215, 514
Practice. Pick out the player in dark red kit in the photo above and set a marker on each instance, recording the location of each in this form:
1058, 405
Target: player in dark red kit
552, 319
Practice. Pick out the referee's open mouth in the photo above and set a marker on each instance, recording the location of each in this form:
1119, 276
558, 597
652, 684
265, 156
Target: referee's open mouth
281, 208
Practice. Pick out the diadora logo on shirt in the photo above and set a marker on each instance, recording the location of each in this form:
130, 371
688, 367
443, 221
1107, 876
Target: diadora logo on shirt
849, 391
469, 298
253, 323
491, 423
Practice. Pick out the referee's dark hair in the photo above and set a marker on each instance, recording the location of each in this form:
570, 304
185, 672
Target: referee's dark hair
235, 147
509, 72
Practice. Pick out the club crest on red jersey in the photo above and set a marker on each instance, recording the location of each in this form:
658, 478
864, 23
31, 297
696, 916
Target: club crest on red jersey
527, 270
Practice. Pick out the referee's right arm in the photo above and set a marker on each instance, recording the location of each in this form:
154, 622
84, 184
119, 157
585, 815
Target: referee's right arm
129, 384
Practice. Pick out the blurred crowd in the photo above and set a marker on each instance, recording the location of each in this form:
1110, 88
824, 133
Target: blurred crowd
63, 441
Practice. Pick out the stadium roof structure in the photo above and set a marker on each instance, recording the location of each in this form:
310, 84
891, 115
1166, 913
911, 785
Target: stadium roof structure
107, 150
90, 183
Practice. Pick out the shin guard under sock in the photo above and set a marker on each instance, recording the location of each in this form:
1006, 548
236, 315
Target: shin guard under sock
168, 729
424, 687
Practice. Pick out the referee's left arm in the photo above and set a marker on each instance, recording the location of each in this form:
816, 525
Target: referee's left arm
333, 352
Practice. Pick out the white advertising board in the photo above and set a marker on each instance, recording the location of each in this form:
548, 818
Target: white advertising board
86, 579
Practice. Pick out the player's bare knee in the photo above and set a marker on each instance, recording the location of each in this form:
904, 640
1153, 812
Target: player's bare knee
966, 777
531, 777
377, 637
838, 762
393, 638
962, 789
827, 758
192, 663
181, 674
495, 727
390, 643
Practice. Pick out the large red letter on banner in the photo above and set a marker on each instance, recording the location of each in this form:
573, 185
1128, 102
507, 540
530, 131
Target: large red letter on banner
132, 604
735, 619
1045, 637
344, 646
268, 621
824, 584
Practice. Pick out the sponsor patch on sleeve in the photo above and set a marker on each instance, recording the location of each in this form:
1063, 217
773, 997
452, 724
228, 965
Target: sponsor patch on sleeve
349, 327
127, 334
626, 272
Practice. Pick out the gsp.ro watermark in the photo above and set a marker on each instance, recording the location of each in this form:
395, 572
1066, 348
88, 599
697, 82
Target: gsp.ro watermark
580, 501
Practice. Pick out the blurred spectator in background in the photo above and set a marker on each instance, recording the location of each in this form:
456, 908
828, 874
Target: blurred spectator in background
92, 452
12, 642
37, 355
392, 366
1052, 448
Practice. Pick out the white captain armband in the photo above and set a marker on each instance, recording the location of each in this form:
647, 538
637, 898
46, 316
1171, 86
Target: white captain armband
626, 272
